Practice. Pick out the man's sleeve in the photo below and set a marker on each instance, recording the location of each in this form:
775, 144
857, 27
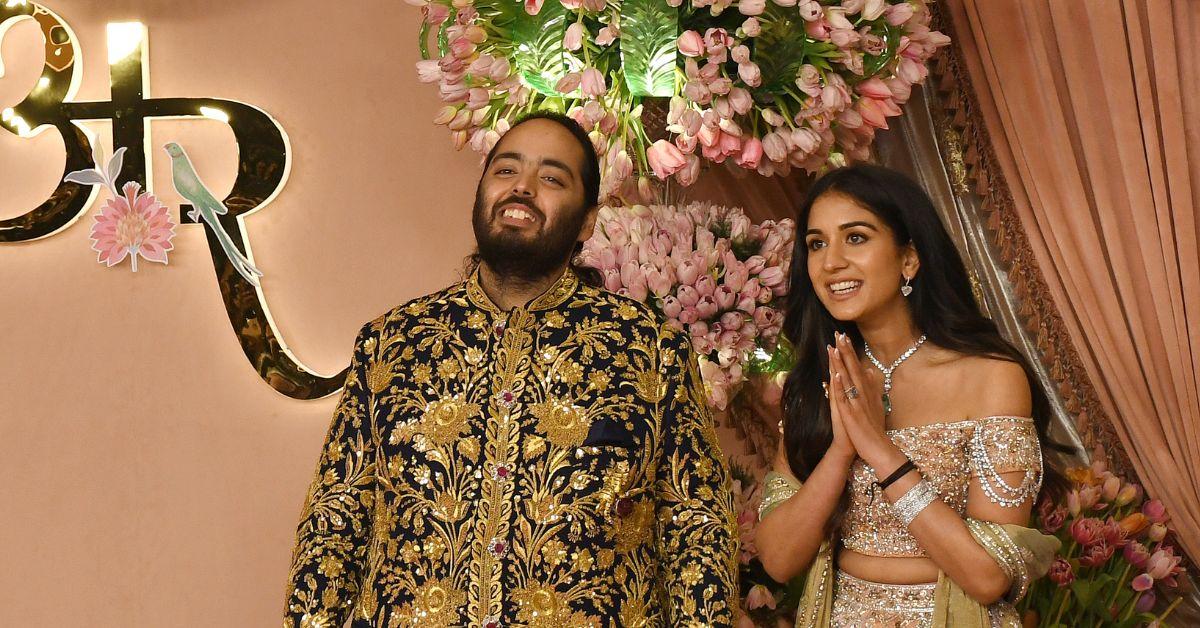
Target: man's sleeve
335, 527
697, 541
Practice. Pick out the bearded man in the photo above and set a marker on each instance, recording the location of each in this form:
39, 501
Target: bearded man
521, 448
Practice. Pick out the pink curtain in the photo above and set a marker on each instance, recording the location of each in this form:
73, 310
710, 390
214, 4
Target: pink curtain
1091, 108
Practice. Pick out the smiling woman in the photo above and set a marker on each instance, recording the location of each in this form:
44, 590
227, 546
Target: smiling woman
921, 493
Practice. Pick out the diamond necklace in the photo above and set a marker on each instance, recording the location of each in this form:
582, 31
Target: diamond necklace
888, 370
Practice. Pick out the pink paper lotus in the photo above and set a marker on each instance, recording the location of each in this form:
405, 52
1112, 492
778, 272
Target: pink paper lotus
132, 224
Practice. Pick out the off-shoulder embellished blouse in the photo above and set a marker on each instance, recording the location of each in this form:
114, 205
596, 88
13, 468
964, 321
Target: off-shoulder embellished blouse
948, 455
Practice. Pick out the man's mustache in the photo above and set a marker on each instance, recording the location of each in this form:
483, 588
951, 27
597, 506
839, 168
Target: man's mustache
518, 201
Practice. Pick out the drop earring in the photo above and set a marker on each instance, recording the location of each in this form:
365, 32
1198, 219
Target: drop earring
906, 289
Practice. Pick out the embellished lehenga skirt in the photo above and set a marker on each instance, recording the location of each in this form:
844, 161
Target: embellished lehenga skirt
859, 603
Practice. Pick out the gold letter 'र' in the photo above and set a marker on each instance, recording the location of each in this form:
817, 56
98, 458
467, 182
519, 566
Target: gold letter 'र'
263, 164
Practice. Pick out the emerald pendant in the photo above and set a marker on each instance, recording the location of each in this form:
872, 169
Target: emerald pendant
887, 404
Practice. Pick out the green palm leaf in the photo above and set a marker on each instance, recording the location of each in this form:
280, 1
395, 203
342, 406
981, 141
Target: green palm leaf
649, 31
539, 53
782, 48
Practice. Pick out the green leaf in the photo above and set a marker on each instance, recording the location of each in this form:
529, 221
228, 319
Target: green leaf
649, 32
783, 47
539, 53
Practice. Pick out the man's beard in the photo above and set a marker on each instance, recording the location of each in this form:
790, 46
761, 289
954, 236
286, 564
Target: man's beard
517, 255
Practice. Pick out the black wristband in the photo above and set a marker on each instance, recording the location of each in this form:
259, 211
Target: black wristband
896, 475
891, 479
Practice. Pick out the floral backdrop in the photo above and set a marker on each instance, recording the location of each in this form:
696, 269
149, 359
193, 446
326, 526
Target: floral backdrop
771, 86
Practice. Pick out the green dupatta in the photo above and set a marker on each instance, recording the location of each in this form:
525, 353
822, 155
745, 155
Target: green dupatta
1023, 553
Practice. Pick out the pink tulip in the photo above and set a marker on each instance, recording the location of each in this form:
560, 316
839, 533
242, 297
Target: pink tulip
658, 283
1136, 554
671, 307
766, 317
810, 10
690, 171
725, 298
1096, 554
750, 73
429, 71
688, 273
898, 14
1163, 564
717, 37
691, 44
461, 120
740, 54
665, 159
592, 82
1061, 572
435, 14
732, 320
690, 315
805, 140
774, 146
688, 297
1089, 497
706, 285
612, 280
771, 277
1142, 582
872, 9
574, 37
706, 307
607, 35
462, 48
817, 29
844, 37
740, 100
1087, 531
751, 27
720, 86
752, 152
1155, 511
478, 97
1114, 533
874, 88
532, 7
697, 92
751, 7
568, 83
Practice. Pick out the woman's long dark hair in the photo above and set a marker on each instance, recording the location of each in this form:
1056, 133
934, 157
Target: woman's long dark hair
942, 304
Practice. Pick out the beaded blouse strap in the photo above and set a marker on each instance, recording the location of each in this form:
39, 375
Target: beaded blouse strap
1002, 444
777, 488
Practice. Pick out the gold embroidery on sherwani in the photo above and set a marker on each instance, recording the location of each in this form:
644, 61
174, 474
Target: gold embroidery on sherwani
563, 423
551, 465
446, 419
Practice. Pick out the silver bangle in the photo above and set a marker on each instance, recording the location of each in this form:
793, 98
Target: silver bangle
913, 502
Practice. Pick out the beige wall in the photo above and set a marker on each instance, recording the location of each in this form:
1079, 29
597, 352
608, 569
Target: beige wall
147, 476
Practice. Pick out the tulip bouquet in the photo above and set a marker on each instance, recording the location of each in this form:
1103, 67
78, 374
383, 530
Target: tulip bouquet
708, 270
1117, 560
769, 84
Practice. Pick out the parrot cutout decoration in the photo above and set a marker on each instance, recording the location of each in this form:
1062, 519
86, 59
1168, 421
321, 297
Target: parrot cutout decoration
207, 207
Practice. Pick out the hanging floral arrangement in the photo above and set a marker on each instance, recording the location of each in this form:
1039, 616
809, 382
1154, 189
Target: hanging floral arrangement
770, 85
